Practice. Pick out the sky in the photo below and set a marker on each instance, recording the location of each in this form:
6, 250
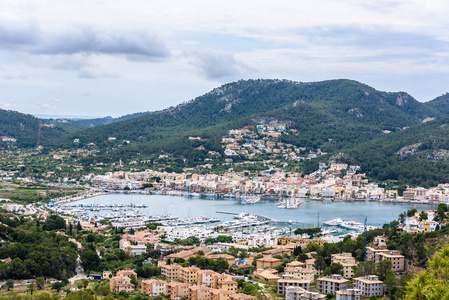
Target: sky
111, 58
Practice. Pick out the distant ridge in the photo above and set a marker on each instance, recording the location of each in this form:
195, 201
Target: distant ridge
93, 121
66, 117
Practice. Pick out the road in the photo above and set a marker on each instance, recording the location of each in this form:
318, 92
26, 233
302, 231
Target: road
80, 274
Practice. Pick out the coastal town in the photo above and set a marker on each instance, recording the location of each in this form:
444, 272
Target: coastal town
245, 255
197, 258
232, 265
325, 183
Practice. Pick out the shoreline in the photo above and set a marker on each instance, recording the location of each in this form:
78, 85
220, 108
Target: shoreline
170, 192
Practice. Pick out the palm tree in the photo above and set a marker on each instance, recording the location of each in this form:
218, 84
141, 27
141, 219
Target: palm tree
31, 288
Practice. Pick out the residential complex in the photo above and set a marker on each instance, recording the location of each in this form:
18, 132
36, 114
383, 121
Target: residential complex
332, 284
369, 285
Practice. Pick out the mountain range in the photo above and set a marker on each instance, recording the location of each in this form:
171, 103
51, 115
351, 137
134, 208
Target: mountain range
386, 133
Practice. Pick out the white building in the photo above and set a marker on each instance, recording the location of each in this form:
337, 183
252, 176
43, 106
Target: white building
332, 284
132, 249
369, 285
183, 233
349, 294
297, 293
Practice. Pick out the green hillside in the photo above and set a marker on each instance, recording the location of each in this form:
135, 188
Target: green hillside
342, 110
28, 130
418, 155
440, 104
369, 127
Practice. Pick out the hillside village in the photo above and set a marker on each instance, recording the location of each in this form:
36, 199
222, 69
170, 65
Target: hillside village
289, 267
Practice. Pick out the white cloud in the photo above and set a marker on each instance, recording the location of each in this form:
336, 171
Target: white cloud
91, 73
45, 106
216, 65
174, 50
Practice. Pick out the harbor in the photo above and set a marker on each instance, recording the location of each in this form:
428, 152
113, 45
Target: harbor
185, 211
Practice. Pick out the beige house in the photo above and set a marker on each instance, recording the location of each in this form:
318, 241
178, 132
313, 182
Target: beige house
377, 254
267, 262
121, 283
220, 294
229, 258
279, 250
106, 275
153, 287
204, 277
176, 290
189, 274
199, 292
171, 272
128, 273
270, 275
300, 270
223, 282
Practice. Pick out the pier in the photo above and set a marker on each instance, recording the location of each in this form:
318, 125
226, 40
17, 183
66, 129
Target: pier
226, 212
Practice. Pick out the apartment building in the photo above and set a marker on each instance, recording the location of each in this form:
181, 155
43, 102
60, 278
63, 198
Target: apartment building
121, 283
347, 261
267, 262
332, 283
199, 292
300, 270
204, 277
153, 287
171, 272
369, 285
223, 282
377, 254
288, 282
349, 294
284, 240
176, 290
297, 293
220, 295
189, 274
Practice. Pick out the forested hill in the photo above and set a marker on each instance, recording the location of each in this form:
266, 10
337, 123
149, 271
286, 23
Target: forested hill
440, 104
341, 110
418, 155
369, 127
28, 130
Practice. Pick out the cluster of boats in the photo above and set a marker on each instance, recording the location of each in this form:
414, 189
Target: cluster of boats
290, 203
246, 199
351, 225
113, 207
201, 195
247, 220
190, 221
250, 199
140, 221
